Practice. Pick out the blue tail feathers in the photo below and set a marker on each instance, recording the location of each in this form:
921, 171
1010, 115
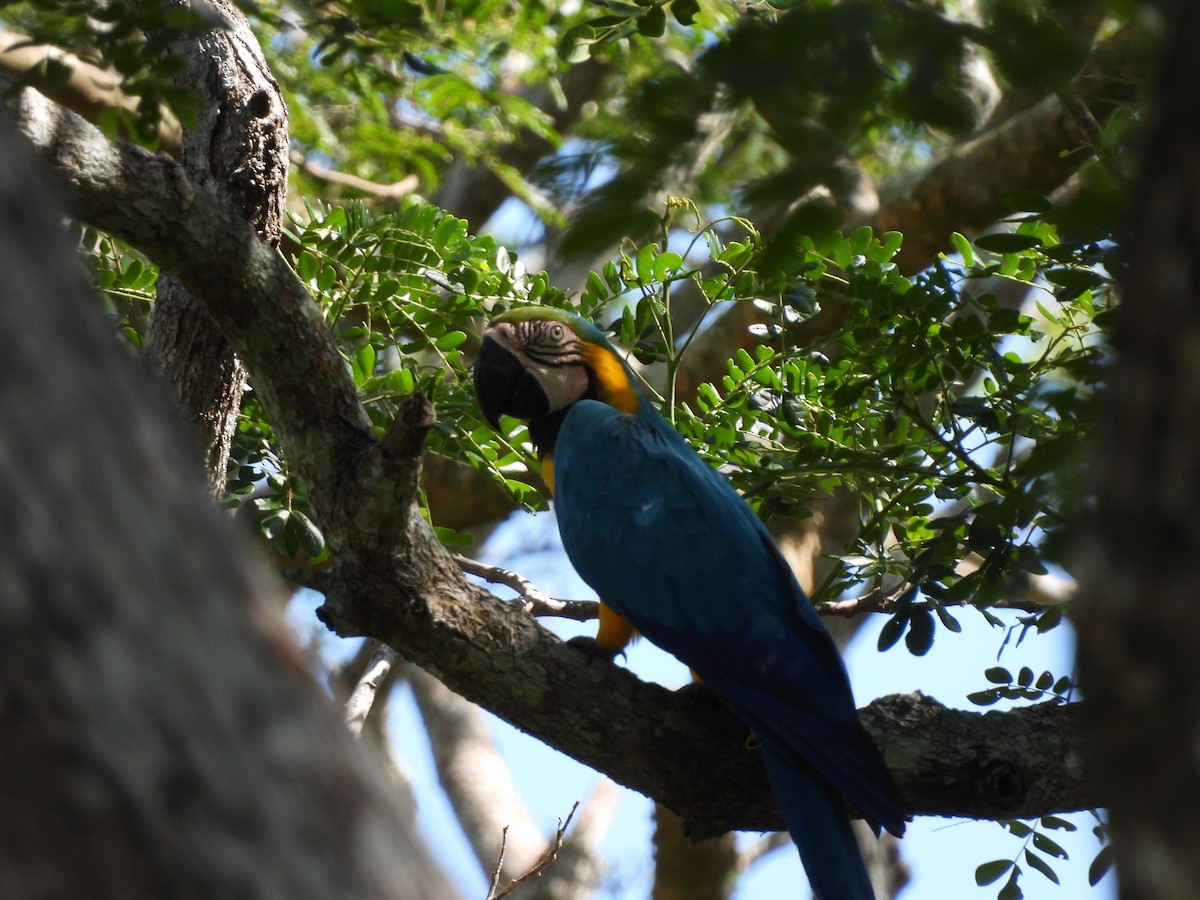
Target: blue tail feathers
817, 819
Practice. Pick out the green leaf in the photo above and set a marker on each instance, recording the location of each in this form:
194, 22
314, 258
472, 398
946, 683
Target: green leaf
644, 264
1073, 282
399, 381
666, 264
576, 43
1003, 242
998, 675
963, 248
1018, 828
596, 288
1040, 864
362, 364
1011, 890
920, 632
948, 621
1100, 865
991, 872
860, 239
653, 23
890, 243
1049, 847
892, 629
685, 11
1055, 822
1026, 201
450, 340
448, 537
326, 278
308, 536
984, 698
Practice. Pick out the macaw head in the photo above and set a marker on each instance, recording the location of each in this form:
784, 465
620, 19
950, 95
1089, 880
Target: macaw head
536, 361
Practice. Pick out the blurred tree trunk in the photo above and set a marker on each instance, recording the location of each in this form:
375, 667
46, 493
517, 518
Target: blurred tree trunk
1139, 610
161, 735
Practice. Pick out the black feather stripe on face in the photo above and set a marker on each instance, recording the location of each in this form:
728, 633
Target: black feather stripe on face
549, 343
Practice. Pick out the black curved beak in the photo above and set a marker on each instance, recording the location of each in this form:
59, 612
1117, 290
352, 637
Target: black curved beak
504, 387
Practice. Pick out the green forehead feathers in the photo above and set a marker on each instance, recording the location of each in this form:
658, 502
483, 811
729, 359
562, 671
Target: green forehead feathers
574, 321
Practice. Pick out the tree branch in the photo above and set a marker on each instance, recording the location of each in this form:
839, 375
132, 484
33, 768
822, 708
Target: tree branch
477, 780
539, 867
397, 190
362, 698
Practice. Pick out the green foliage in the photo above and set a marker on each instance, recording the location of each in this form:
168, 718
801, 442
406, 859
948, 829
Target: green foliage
1022, 686
1039, 851
405, 293
125, 279
127, 37
958, 419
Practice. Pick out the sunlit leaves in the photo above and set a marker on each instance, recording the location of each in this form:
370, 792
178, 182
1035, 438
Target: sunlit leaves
404, 292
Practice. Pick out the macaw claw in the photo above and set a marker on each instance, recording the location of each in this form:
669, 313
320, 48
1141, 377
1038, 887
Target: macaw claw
588, 646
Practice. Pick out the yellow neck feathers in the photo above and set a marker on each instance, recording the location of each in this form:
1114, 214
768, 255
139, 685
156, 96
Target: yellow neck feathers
612, 382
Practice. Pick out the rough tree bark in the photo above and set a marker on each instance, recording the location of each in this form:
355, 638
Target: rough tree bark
161, 735
236, 149
1137, 613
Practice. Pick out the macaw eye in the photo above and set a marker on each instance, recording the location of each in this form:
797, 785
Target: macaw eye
556, 333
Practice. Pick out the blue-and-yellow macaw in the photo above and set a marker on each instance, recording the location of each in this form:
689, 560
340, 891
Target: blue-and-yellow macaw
676, 554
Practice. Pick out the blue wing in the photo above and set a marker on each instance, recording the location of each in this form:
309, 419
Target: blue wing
666, 541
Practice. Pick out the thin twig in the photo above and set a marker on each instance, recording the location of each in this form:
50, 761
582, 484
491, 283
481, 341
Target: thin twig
394, 191
499, 864
539, 867
534, 601
1042, 593
362, 698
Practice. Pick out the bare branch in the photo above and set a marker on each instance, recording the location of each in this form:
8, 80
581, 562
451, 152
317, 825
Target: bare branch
579, 867
535, 602
540, 866
362, 698
395, 191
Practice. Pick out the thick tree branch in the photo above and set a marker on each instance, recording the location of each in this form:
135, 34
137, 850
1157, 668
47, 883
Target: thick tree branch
393, 581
